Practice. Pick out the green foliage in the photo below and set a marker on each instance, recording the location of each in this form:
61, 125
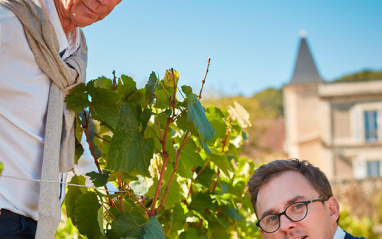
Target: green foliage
365, 75
175, 165
1, 167
66, 228
361, 227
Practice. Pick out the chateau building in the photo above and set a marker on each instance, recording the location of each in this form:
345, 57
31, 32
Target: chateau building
336, 126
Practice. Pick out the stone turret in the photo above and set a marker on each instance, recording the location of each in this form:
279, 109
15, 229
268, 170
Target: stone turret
305, 70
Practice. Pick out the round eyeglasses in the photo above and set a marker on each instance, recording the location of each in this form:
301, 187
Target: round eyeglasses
295, 212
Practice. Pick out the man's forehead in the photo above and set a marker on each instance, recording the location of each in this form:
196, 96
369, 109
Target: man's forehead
283, 189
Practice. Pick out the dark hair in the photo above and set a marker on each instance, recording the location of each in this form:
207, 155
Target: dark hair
266, 172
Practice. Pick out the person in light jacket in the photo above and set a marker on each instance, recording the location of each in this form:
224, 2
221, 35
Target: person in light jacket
43, 54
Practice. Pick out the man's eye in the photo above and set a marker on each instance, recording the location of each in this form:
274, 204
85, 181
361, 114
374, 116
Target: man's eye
272, 218
298, 206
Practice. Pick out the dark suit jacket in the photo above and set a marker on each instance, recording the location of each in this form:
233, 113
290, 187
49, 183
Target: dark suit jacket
348, 236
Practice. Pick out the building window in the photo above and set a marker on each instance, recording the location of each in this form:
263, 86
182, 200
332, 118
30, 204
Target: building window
373, 168
371, 125
366, 123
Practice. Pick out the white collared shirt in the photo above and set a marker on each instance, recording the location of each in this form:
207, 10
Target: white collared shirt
24, 92
340, 234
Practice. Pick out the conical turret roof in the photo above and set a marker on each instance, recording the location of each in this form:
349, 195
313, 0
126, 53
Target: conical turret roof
305, 70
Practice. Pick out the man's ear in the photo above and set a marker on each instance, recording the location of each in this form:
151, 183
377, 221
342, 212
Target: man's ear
334, 208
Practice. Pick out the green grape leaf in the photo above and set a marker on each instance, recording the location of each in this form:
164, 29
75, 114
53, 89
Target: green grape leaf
145, 117
139, 97
100, 219
213, 112
220, 128
128, 148
189, 159
152, 189
170, 147
77, 100
103, 145
151, 87
141, 186
197, 115
178, 217
86, 214
201, 201
126, 86
105, 104
78, 152
191, 233
206, 177
162, 97
186, 89
231, 213
128, 224
79, 129
170, 76
174, 194
186, 125
152, 230
221, 161
72, 194
103, 82
244, 135
98, 179
216, 118
232, 153
206, 148
240, 114
167, 112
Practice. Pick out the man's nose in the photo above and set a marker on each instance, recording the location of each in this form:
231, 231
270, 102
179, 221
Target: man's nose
286, 224
103, 2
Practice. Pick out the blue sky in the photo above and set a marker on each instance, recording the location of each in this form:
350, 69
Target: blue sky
252, 43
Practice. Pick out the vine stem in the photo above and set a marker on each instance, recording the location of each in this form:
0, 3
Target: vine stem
111, 214
205, 76
114, 80
120, 187
193, 179
165, 153
96, 135
139, 202
86, 130
159, 129
185, 140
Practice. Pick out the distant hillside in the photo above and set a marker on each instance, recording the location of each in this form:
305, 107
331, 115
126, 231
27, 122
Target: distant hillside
366, 75
265, 109
271, 100
266, 104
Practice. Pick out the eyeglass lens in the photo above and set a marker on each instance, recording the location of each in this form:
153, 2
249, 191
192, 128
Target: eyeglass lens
295, 212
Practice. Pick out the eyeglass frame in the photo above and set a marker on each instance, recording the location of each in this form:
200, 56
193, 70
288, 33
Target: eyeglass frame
284, 213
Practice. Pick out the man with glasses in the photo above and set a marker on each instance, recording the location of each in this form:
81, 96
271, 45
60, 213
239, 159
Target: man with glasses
293, 199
